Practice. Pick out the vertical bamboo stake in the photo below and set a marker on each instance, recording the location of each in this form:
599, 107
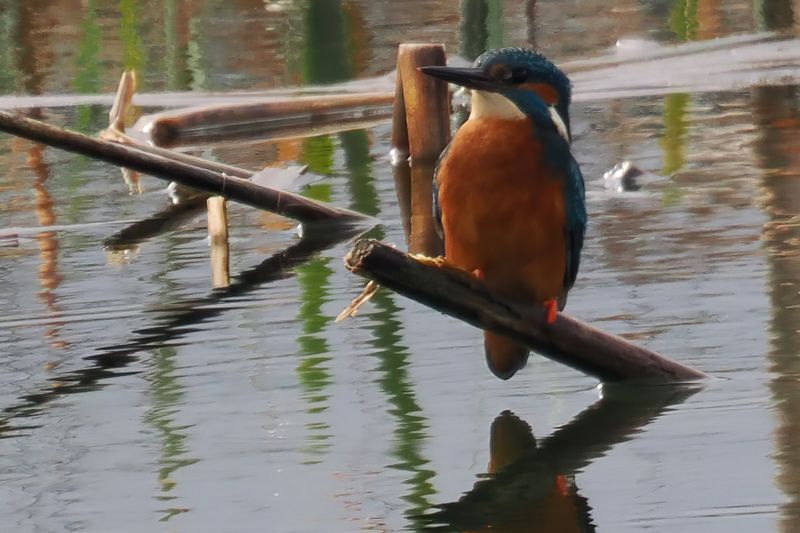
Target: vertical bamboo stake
116, 123
426, 101
218, 235
427, 126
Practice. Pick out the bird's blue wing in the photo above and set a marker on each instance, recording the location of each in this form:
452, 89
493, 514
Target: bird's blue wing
437, 210
575, 198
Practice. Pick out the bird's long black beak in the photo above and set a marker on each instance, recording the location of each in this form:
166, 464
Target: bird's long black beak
469, 77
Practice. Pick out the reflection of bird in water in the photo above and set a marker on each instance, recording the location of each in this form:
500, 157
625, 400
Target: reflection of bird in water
508, 194
522, 495
560, 508
530, 486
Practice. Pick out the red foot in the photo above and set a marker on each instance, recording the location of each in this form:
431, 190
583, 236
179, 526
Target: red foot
551, 310
562, 485
478, 273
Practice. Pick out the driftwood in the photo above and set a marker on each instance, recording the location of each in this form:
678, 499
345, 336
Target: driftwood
226, 121
456, 293
237, 189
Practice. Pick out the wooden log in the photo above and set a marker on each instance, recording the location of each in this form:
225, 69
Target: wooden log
218, 235
225, 121
567, 341
240, 190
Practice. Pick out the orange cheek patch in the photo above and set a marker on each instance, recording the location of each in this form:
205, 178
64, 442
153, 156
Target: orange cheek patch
545, 91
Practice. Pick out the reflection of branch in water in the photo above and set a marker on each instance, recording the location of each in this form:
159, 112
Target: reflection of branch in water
168, 219
529, 491
178, 321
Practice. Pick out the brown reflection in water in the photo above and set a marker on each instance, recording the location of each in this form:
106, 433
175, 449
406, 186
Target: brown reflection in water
709, 19
530, 486
49, 276
776, 111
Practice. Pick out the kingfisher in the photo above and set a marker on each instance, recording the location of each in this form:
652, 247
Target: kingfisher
509, 196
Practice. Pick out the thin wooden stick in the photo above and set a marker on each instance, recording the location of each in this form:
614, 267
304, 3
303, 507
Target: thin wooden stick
240, 190
122, 101
218, 234
568, 341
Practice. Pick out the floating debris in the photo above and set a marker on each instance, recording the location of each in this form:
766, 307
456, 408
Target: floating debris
622, 177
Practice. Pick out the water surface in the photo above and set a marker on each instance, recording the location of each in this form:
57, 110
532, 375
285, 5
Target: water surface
136, 398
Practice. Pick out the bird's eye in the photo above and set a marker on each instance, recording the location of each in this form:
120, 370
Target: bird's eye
519, 75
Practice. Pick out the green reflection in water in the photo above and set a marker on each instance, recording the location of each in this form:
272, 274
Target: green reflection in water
318, 154
675, 126
327, 54
195, 60
178, 77
132, 53
387, 340
410, 431
9, 26
325, 60
684, 24
88, 72
167, 395
312, 371
357, 158
481, 27
683, 20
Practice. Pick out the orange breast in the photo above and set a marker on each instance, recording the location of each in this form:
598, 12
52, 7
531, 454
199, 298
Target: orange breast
503, 209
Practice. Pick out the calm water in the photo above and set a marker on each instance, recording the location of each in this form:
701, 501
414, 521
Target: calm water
137, 399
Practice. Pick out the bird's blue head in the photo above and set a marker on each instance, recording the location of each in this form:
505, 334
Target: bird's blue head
519, 75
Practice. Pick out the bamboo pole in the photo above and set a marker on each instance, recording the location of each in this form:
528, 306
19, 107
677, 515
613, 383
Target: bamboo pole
422, 127
225, 121
426, 101
218, 235
240, 190
456, 293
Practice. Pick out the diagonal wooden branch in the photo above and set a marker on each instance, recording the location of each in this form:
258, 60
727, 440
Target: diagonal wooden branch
456, 293
237, 189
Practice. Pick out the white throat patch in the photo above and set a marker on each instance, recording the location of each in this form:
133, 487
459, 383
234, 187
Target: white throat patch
493, 105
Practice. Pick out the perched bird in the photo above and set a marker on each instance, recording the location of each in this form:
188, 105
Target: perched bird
508, 195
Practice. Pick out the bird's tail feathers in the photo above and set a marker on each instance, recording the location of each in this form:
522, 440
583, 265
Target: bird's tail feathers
504, 356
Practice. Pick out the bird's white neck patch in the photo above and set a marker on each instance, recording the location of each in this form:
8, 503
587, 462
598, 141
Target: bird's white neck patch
559, 122
493, 105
